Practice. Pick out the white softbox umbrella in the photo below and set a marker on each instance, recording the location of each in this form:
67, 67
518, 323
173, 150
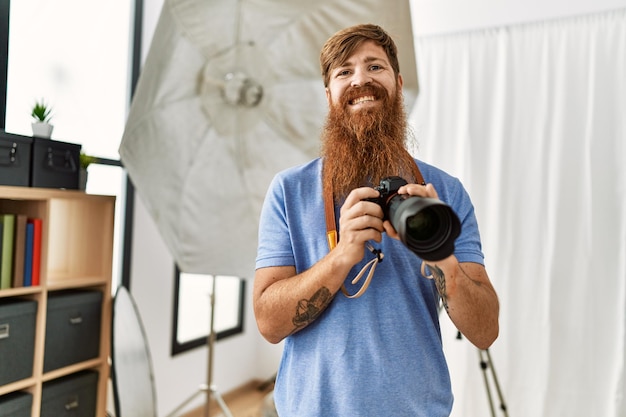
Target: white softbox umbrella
231, 93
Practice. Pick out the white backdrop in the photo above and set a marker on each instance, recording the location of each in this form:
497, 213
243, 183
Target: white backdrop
532, 118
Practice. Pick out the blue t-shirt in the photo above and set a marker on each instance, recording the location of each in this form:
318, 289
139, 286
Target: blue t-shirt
377, 355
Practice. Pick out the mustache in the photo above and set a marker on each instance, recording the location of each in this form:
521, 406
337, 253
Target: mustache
353, 92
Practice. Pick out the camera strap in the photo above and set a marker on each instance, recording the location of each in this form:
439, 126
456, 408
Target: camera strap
331, 237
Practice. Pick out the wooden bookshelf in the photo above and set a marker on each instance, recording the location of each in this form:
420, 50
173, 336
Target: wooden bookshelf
76, 253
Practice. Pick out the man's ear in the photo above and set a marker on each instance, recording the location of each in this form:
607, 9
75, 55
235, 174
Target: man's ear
328, 96
400, 80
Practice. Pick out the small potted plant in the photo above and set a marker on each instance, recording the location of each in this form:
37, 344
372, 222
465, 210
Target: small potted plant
41, 114
84, 162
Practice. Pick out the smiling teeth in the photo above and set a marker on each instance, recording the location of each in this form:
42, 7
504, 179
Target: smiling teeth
362, 99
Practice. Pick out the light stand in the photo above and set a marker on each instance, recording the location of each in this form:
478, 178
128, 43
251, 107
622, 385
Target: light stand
208, 389
486, 363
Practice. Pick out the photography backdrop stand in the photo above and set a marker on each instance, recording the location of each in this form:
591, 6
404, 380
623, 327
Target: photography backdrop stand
208, 389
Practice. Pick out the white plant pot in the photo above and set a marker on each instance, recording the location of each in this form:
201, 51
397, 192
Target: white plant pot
42, 130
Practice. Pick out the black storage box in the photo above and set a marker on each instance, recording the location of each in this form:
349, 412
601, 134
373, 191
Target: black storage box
72, 328
15, 153
17, 339
16, 404
70, 396
55, 164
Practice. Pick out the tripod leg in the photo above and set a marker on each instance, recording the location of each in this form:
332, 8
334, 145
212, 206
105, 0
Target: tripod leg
483, 367
177, 410
497, 384
221, 403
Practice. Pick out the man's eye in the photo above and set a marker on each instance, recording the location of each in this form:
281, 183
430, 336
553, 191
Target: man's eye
343, 73
375, 67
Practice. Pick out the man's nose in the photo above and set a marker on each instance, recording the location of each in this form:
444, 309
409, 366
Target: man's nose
360, 78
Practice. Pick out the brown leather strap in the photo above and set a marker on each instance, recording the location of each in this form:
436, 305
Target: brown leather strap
419, 179
329, 210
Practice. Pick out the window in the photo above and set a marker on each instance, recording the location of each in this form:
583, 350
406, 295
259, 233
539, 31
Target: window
66, 53
109, 178
192, 309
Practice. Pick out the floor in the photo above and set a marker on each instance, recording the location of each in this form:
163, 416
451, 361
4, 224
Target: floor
246, 401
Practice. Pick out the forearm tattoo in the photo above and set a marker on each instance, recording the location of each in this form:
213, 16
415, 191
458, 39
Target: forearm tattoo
308, 310
440, 283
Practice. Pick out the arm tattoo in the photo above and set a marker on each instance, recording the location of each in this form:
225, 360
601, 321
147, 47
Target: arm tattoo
308, 310
440, 283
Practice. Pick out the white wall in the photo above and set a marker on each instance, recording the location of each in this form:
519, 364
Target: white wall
248, 356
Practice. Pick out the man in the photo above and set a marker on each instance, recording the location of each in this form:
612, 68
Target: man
379, 354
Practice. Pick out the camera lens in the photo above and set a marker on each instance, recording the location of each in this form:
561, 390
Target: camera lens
427, 226
423, 225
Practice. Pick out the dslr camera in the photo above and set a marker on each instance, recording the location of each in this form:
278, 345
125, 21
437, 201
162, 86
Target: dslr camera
427, 226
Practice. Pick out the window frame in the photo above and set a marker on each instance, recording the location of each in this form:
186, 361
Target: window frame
177, 347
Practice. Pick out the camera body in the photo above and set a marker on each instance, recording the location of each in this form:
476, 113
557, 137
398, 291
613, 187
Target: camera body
388, 188
427, 226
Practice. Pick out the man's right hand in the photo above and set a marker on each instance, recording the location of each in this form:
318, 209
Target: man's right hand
359, 222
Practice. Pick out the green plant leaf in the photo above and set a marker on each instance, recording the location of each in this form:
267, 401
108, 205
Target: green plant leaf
86, 160
41, 112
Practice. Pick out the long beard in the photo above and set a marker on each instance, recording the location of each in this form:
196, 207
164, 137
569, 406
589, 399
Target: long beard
361, 148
